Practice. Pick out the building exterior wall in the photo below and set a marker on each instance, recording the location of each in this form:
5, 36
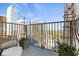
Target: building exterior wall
11, 14
2, 25
71, 13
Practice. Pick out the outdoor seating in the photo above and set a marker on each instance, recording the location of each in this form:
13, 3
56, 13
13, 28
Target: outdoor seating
11, 48
13, 51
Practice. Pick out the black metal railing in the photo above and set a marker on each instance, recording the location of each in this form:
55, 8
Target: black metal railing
48, 35
12, 31
43, 35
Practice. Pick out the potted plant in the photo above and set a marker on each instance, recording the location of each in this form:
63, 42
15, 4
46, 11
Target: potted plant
24, 42
42, 46
66, 50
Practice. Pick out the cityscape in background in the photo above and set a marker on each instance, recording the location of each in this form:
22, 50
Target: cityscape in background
42, 33
10, 30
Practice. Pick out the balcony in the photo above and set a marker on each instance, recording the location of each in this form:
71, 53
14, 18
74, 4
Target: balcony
43, 37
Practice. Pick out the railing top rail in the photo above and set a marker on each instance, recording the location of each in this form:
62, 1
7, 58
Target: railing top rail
12, 23
40, 23
52, 22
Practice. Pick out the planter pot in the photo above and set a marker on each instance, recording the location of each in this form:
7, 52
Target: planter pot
26, 44
67, 54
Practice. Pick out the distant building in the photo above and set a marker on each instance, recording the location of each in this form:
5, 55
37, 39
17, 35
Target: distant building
12, 18
2, 25
11, 14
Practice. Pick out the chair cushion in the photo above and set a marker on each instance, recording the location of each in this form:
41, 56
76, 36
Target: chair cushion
8, 44
13, 51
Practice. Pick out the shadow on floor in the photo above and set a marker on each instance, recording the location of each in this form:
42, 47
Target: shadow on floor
35, 51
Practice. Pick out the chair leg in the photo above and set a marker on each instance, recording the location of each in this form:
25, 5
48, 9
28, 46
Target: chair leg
1, 52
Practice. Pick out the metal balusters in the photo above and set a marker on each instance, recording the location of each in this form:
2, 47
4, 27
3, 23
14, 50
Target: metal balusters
74, 39
46, 34
2, 31
45, 30
41, 35
47, 37
17, 34
58, 30
54, 37
63, 32
50, 39
6, 29
36, 33
68, 41
57, 37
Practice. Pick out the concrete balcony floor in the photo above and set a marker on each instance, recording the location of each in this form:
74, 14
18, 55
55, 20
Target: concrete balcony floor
35, 51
